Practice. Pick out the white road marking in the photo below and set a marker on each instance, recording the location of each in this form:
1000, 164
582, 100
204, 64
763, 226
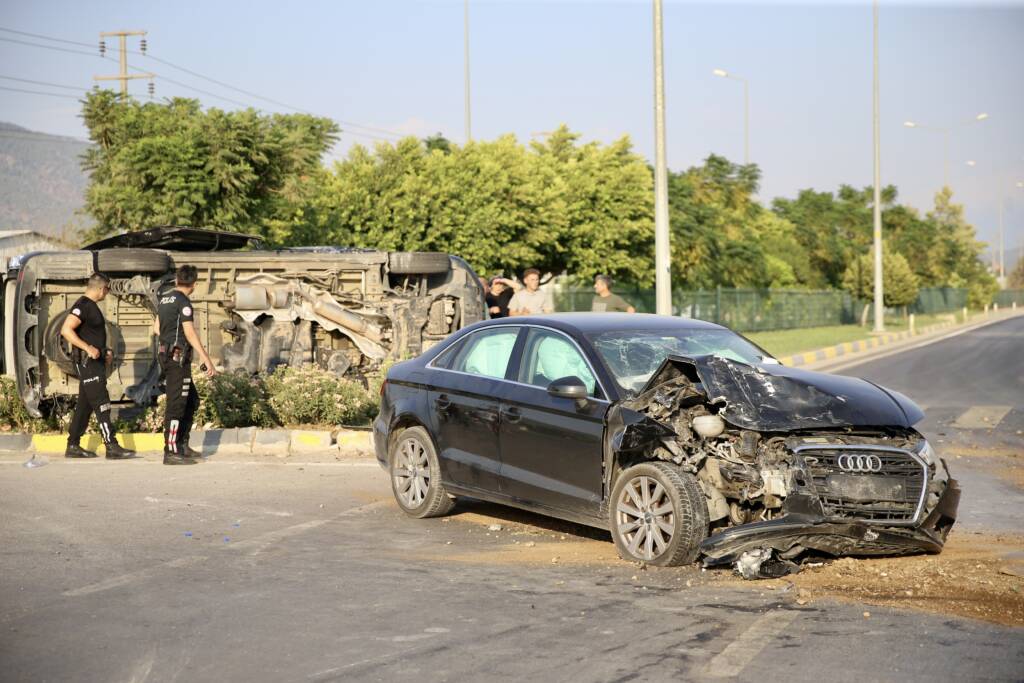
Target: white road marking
982, 417
740, 652
124, 579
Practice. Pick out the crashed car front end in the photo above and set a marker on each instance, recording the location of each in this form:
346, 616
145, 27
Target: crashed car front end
792, 463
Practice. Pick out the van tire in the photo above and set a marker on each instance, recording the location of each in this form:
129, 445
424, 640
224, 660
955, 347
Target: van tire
418, 262
133, 261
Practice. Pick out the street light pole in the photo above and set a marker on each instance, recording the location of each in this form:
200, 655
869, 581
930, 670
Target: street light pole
879, 293
662, 272
722, 73
465, 72
947, 132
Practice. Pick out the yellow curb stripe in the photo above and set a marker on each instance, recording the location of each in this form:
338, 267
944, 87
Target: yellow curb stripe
56, 443
810, 357
831, 352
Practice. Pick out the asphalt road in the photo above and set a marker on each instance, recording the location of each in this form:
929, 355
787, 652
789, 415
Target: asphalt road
971, 387
131, 571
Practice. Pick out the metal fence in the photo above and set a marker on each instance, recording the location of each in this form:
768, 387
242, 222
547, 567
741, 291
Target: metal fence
757, 310
1008, 297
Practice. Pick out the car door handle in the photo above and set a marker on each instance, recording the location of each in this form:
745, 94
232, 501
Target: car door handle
442, 403
512, 415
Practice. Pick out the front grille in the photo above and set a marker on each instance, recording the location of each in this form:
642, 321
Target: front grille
891, 495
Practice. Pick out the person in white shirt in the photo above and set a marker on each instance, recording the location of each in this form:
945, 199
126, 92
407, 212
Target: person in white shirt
531, 300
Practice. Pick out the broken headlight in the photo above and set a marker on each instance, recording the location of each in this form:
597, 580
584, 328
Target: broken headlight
927, 453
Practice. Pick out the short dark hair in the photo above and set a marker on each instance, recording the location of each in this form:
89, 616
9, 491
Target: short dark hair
186, 275
97, 280
530, 271
604, 278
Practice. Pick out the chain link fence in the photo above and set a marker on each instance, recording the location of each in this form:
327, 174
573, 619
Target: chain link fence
759, 310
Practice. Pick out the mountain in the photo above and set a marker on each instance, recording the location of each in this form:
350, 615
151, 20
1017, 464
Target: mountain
42, 184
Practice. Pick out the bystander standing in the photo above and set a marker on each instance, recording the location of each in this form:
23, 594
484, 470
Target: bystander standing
531, 300
605, 301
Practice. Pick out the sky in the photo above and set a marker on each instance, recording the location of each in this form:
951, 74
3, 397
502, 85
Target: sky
397, 66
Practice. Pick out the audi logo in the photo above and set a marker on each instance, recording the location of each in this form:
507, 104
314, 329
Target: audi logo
859, 462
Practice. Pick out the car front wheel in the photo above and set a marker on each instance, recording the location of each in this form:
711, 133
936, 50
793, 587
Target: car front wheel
658, 515
416, 475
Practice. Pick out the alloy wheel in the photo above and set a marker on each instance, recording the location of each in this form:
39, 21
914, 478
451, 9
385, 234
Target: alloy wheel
645, 520
412, 473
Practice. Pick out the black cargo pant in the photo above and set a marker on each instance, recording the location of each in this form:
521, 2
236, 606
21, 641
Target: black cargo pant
182, 401
92, 398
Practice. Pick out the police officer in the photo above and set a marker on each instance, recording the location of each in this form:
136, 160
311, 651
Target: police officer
86, 331
178, 340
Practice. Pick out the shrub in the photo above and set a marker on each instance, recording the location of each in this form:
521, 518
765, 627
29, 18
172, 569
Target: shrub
310, 395
231, 399
13, 416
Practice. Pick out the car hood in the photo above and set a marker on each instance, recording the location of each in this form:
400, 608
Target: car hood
777, 398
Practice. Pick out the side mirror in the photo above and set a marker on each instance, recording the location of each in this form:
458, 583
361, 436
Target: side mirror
571, 388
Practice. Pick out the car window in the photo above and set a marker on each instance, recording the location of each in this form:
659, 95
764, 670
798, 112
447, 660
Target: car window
447, 357
548, 356
486, 353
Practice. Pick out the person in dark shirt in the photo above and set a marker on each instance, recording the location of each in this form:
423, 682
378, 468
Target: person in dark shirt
178, 339
85, 330
498, 295
605, 300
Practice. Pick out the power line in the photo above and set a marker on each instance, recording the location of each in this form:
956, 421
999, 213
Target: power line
37, 35
40, 92
52, 85
350, 124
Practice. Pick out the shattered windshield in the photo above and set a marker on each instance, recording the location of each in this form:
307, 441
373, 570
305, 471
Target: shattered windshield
632, 356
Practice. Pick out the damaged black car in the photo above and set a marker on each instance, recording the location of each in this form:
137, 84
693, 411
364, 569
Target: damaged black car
683, 439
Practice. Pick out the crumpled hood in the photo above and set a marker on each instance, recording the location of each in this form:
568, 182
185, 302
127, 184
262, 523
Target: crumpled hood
778, 398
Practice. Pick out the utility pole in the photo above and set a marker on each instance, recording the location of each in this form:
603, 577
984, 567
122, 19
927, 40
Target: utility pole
662, 272
465, 75
124, 76
879, 293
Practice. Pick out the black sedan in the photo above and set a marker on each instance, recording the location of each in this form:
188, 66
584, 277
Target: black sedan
680, 437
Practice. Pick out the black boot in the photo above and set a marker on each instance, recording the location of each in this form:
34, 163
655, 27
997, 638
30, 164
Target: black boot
75, 451
176, 459
116, 452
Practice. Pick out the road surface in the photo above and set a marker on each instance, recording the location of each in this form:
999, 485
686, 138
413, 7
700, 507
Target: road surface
131, 571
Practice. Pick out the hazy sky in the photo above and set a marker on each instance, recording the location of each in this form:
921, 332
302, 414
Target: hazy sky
398, 66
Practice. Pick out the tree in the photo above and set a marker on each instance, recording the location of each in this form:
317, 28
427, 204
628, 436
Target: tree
1016, 278
898, 280
176, 164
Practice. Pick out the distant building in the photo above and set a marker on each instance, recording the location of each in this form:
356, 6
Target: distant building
17, 242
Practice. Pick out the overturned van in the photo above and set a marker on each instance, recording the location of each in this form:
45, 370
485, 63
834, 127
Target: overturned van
346, 310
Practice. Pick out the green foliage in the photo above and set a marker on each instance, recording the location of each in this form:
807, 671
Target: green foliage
232, 399
898, 280
558, 205
310, 395
1016, 276
175, 164
13, 416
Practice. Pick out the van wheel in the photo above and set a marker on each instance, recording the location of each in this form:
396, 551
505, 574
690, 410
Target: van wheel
133, 261
416, 475
57, 350
658, 515
418, 262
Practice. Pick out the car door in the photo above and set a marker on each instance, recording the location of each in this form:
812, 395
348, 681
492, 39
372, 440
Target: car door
551, 448
464, 403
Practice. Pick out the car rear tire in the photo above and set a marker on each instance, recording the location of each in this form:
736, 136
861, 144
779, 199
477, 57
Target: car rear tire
658, 515
133, 261
418, 262
416, 475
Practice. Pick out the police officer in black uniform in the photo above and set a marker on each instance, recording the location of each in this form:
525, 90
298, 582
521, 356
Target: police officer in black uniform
178, 340
86, 331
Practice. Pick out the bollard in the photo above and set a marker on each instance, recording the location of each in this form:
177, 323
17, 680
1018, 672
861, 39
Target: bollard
995, 307
1013, 305
912, 330
965, 314
986, 310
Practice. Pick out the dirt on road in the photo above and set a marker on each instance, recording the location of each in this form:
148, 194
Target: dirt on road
978, 575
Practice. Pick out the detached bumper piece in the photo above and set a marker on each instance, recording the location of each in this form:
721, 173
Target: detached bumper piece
768, 549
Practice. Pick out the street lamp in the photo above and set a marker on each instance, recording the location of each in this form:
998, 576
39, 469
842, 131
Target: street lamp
946, 132
722, 73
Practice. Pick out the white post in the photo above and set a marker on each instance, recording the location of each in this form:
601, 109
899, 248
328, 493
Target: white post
912, 330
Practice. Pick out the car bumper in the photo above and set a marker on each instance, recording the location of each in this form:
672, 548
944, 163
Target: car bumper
809, 531
380, 441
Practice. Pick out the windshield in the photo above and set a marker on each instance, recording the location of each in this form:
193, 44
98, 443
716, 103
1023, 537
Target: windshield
632, 356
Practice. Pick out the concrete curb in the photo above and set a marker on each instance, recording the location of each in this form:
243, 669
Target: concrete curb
247, 441
863, 348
